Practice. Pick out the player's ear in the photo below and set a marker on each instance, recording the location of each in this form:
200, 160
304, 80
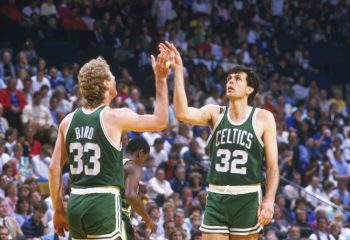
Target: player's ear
250, 89
139, 153
106, 84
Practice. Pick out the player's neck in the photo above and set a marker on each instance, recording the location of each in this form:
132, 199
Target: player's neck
238, 109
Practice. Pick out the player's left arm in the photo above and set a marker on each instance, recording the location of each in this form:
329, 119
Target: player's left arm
269, 138
133, 176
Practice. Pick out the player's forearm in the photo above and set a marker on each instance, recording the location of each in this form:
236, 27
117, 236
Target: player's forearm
55, 184
180, 98
137, 205
272, 181
161, 110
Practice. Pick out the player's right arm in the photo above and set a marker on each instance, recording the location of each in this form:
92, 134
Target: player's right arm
133, 175
129, 120
59, 158
183, 112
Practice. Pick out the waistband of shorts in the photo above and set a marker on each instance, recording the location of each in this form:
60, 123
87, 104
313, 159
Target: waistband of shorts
83, 191
242, 189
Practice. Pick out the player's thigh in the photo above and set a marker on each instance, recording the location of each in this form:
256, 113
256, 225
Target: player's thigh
215, 220
215, 236
254, 236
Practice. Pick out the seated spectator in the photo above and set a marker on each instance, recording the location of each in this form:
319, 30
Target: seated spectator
23, 211
170, 165
31, 146
36, 226
342, 193
322, 230
315, 189
195, 182
133, 100
11, 140
4, 157
39, 80
42, 161
180, 224
39, 117
11, 196
169, 227
293, 232
4, 233
4, 125
193, 158
13, 101
305, 227
279, 223
64, 106
179, 181
148, 170
8, 221
7, 69
158, 153
159, 188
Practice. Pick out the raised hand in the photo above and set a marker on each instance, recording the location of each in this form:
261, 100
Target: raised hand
175, 59
159, 65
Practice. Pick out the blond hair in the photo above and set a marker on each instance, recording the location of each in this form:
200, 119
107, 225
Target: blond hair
91, 81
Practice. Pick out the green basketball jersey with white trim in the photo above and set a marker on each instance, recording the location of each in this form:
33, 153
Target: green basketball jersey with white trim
94, 160
236, 152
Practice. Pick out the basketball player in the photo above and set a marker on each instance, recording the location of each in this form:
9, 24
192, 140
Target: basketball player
136, 153
89, 139
241, 137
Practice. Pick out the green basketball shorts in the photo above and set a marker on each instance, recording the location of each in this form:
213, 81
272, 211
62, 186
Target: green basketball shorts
232, 210
95, 213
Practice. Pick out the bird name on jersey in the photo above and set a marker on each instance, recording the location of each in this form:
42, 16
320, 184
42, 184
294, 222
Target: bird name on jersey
84, 132
234, 136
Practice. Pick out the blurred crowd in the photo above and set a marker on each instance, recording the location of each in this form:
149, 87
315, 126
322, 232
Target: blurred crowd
212, 36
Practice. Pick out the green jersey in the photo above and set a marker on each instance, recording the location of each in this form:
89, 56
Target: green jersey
236, 152
94, 160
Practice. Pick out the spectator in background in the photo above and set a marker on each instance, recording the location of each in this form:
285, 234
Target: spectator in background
7, 69
322, 230
23, 63
36, 226
48, 9
64, 106
133, 100
13, 101
315, 189
23, 210
158, 153
39, 80
8, 221
42, 161
170, 165
158, 188
148, 170
31, 146
293, 232
169, 227
4, 125
39, 117
4, 157
162, 10
179, 181
4, 233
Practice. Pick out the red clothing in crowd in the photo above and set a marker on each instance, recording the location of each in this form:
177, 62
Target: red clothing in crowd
5, 98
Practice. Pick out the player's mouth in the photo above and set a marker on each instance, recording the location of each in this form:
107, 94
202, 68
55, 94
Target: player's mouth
230, 89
